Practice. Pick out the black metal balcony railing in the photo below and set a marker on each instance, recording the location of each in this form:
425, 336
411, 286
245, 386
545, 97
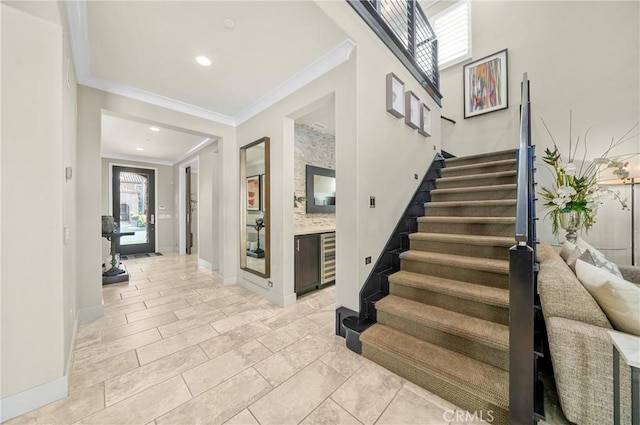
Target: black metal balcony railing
404, 28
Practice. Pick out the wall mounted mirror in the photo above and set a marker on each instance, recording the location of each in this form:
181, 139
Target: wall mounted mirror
255, 228
321, 190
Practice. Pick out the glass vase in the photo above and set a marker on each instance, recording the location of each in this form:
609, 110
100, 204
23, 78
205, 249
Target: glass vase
571, 222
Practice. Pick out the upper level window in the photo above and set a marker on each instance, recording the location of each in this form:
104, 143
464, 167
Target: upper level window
453, 28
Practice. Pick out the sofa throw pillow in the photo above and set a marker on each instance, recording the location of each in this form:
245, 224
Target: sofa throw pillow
567, 250
619, 299
599, 258
579, 255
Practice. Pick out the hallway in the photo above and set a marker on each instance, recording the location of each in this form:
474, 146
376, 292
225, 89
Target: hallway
176, 346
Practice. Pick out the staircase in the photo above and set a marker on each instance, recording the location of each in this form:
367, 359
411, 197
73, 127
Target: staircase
445, 323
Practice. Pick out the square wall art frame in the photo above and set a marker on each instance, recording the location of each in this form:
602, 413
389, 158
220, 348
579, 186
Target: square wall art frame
425, 120
395, 95
412, 110
486, 85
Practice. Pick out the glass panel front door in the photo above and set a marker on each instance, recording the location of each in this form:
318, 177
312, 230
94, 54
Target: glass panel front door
133, 209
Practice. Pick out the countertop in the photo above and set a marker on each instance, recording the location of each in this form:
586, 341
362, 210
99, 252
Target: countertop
313, 231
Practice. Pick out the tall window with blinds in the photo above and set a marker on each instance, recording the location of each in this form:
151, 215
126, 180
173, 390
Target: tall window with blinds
453, 29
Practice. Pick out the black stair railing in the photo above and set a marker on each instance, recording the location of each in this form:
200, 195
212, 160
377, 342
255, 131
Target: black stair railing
525, 397
404, 28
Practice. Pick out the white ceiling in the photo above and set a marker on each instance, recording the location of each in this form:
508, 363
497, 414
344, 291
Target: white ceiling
123, 137
147, 49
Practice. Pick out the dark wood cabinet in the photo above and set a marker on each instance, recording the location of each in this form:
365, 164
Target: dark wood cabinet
307, 262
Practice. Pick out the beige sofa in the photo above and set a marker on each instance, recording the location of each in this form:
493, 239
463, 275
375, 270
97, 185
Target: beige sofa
581, 351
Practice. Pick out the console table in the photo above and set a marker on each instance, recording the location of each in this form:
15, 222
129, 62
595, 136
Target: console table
629, 347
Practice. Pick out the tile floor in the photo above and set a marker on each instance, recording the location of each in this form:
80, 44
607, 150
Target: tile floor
176, 346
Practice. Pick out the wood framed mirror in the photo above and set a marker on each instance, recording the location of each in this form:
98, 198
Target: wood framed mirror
255, 228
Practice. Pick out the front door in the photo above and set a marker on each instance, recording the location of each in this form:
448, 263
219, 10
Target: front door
188, 210
134, 209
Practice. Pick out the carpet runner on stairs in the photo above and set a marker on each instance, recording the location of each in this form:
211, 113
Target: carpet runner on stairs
444, 324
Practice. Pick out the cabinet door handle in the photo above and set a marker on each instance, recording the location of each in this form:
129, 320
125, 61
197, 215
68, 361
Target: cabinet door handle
298, 245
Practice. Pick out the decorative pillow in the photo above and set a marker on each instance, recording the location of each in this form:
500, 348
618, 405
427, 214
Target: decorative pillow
619, 299
599, 258
567, 250
584, 256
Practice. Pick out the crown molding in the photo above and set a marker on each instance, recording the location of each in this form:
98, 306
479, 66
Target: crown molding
132, 158
77, 20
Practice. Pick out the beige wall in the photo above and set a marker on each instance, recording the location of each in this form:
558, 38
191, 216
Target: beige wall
580, 56
33, 279
165, 241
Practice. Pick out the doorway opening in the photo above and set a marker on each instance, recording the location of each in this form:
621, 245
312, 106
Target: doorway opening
188, 205
133, 206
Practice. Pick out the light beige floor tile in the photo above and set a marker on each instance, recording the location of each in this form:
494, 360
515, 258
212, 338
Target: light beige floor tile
130, 308
286, 335
189, 323
229, 323
220, 403
98, 352
433, 399
106, 322
311, 386
26, 419
330, 413
343, 361
223, 343
211, 373
88, 336
243, 418
135, 292
410, 409
145, 406
288, 315
73, 408
139, 379
135, 327
155, 311
175, 291
159, 349
250, 302
94, 373
368, 392
200, 307
166, 300
323, 317
285, 363
133, 298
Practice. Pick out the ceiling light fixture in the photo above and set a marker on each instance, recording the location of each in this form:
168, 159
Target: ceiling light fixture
139, 149
154, 129
229, 23
203, 60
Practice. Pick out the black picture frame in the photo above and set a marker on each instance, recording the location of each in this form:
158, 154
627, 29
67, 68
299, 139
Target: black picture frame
312, 207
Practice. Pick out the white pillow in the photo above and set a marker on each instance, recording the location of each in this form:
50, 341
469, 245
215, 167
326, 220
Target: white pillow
567, 250
598, 258
618, 298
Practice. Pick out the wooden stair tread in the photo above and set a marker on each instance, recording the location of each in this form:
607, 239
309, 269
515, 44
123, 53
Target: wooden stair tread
481, 155
489, 188
455, 288
467, 220
454, 167
477, 176
473, 263
464, 239
481, 203
485, 381
481, 331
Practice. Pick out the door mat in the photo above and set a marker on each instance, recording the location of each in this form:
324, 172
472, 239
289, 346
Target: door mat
136, 256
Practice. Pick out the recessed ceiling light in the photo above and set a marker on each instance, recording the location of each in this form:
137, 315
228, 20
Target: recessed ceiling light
203, 60
229, 23
154, 129
139, 149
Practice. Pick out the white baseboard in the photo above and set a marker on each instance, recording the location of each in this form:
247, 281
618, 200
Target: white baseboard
33, 398
167, 249
207, 265
90, 314
266, 293
73, 344
229, 280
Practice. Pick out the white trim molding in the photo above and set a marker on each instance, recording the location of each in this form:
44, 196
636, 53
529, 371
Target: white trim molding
33, 398
207, 264
90, 314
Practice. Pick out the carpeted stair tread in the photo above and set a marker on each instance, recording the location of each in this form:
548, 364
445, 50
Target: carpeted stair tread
489, 156
464, 373
476, 176
473, 263
483, 203
487, 333
504, 241
453, 167
468, 220
489, 188
455, 288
